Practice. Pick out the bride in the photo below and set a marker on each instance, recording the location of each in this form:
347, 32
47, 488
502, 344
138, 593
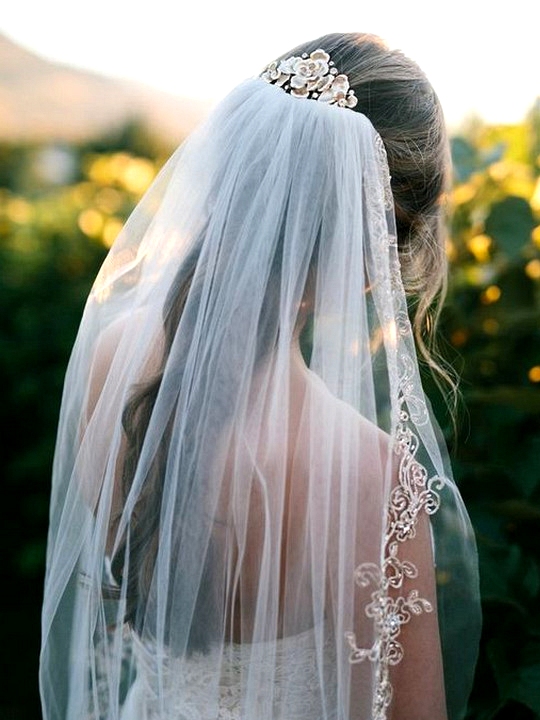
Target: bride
252, 514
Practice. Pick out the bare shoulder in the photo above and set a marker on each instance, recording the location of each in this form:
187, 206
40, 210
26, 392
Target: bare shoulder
102, 358
114, 351
347, 421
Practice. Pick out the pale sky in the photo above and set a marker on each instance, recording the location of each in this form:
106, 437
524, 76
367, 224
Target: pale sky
480, 56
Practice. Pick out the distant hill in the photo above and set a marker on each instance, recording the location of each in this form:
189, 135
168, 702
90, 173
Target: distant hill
43, 100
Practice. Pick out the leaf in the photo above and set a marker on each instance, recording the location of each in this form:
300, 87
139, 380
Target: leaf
510, 222
494, 154
518, 292
464, 158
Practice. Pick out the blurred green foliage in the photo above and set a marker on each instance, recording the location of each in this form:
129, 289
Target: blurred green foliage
492, 318
62, 206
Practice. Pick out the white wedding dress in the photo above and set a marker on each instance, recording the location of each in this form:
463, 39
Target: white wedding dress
292, 662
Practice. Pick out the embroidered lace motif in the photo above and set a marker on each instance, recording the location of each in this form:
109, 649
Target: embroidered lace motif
313, 77
415, 492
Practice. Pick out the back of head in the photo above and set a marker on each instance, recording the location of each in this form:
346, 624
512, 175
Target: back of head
394, 93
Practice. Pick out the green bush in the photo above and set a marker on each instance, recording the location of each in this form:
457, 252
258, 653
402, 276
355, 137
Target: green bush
492, 317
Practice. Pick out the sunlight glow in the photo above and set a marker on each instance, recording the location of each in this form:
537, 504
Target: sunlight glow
490, 295
19, 210
479, 246
111, 230
532, 269
185, 50
535, 199
90, 222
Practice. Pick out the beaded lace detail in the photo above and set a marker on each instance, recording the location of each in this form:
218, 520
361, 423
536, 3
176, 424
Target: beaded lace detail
415, 492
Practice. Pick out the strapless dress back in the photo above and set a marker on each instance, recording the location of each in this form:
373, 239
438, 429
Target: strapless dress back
278, 680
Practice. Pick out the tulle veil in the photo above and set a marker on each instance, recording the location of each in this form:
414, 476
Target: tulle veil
252, 513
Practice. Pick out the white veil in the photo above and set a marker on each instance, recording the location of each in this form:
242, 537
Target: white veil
252, 512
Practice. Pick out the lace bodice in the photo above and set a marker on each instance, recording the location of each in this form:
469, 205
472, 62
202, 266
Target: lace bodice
212, 686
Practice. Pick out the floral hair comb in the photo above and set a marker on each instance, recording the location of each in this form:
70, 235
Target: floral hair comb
313, 77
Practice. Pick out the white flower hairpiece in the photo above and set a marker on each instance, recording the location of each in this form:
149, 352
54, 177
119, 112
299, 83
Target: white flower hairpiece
311, 76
